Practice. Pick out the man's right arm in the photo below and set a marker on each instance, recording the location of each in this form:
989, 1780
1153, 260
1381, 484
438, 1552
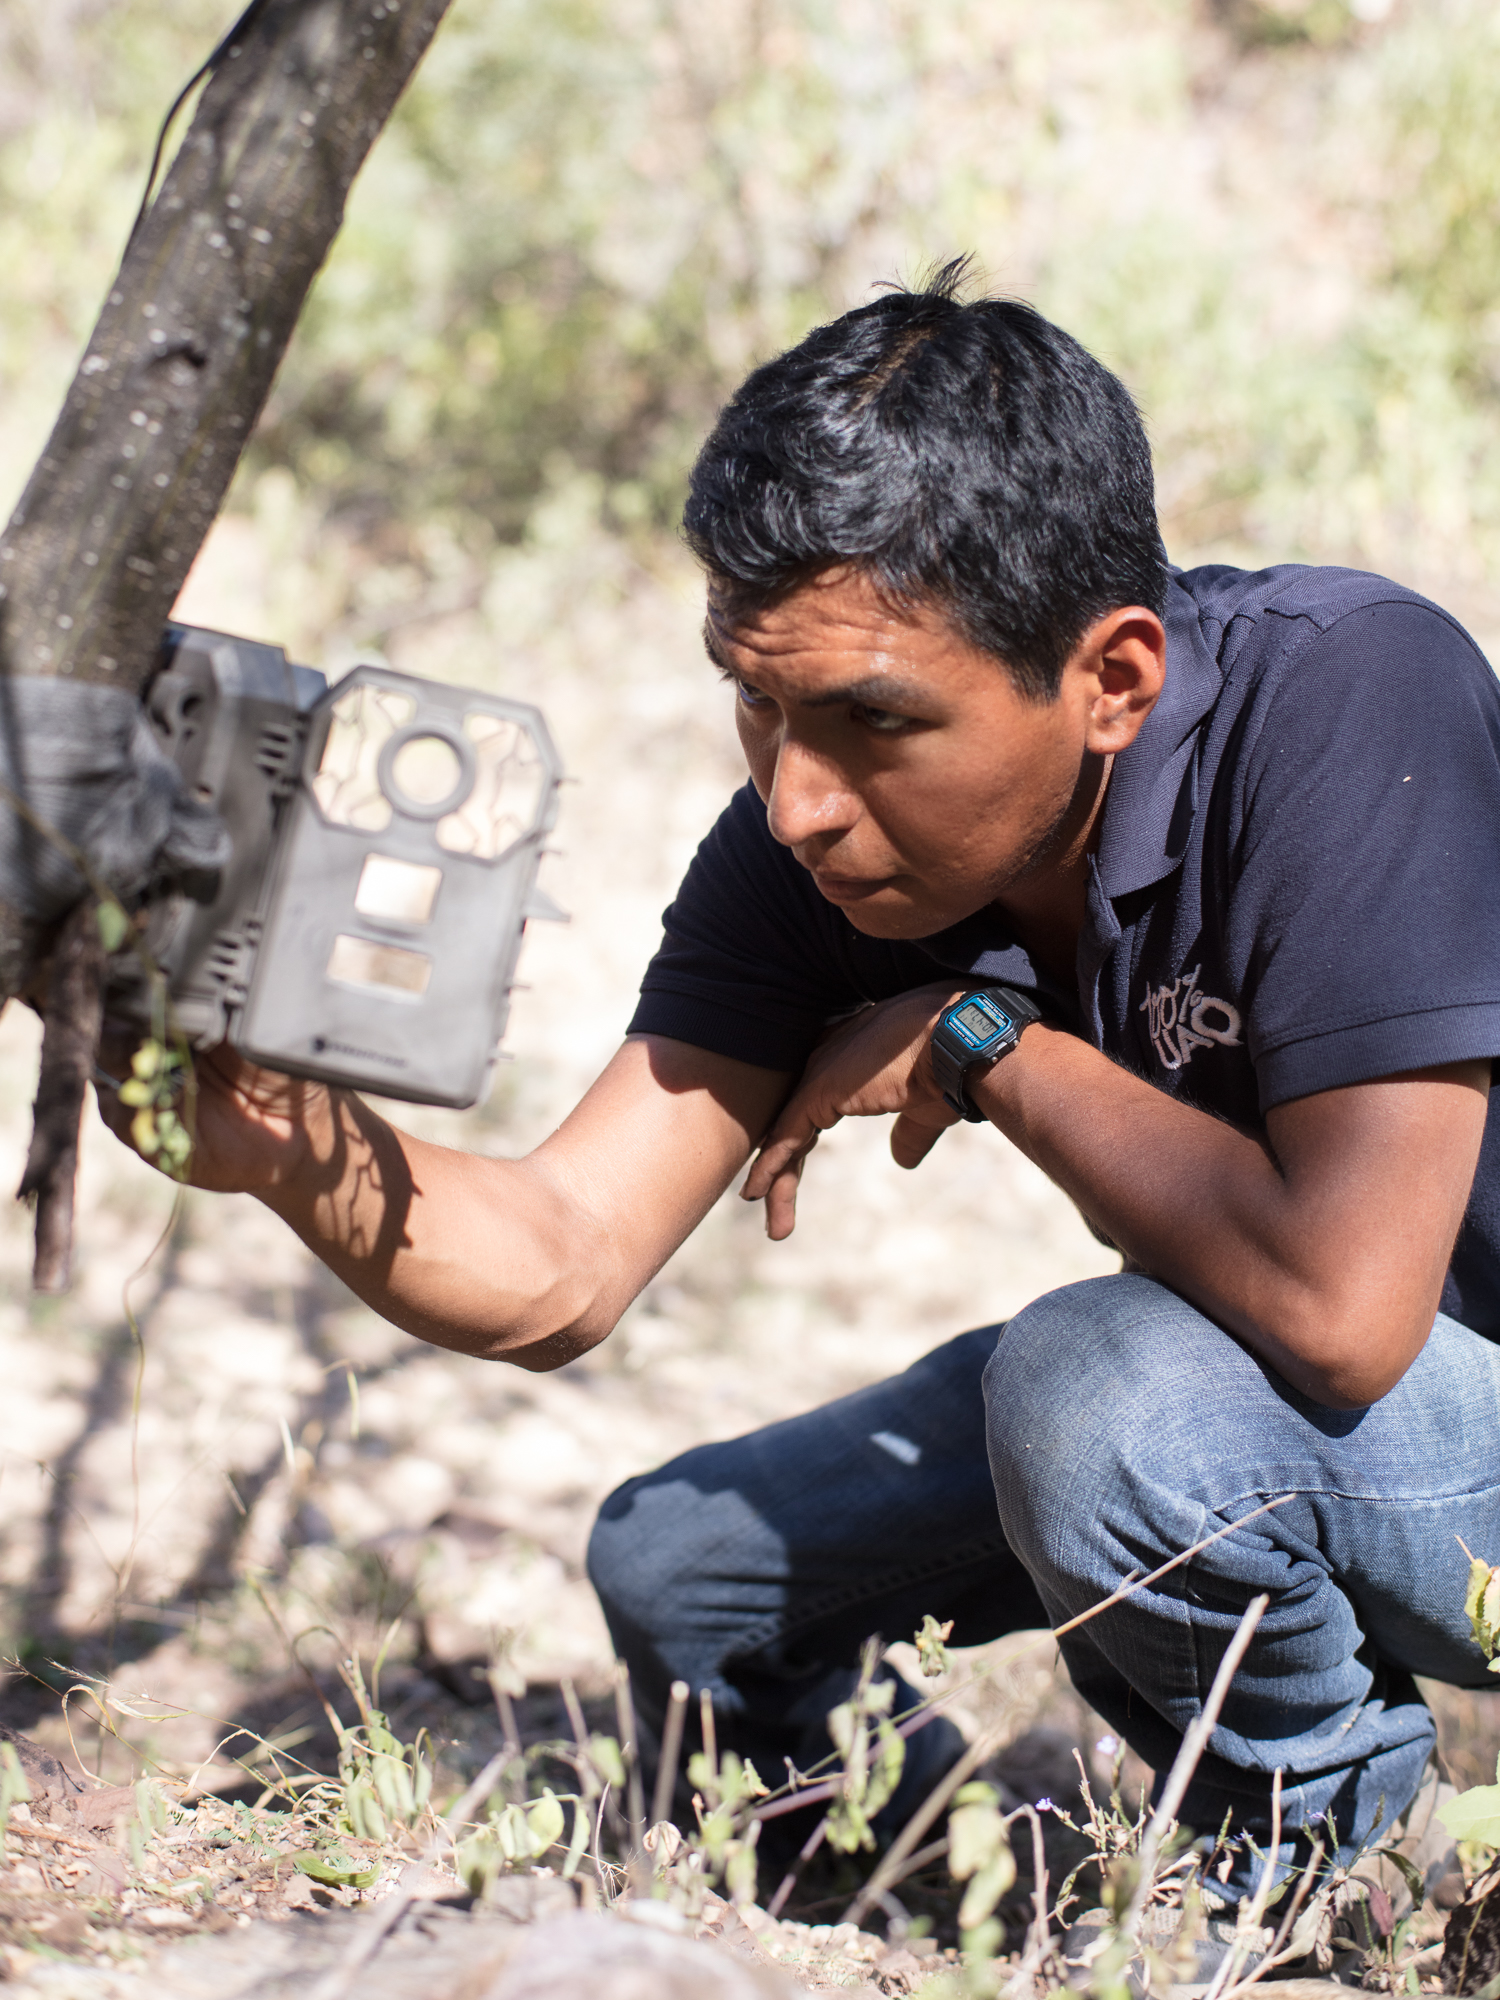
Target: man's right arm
531, 1260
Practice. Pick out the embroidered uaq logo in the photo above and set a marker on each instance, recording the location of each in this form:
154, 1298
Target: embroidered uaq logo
1182, 1017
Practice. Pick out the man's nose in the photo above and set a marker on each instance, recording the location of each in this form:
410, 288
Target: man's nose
809, 797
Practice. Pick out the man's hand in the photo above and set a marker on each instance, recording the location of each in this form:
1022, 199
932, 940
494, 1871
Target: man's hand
253, 1129
874, 1065
1322, 1243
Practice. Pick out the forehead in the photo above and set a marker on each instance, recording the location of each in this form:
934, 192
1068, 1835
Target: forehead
822, 632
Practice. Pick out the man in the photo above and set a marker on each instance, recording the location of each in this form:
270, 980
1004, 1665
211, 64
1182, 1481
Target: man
1237, 838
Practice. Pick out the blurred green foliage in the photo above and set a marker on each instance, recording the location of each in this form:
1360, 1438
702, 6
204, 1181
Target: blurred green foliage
1278, 218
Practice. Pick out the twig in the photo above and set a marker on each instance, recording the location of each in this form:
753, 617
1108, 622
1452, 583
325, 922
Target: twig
1039, 1933
635, 1807
576, 1722
924, 1856
74, 1016
810, 1847
336, 1983
1194, 1743
1250, 1919
510, 1735
671, 1751
710, 1734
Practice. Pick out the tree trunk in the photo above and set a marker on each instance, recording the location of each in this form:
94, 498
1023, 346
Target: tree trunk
178, 367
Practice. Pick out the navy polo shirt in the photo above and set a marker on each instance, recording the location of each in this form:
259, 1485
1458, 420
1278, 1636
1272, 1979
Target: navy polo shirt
1296, 885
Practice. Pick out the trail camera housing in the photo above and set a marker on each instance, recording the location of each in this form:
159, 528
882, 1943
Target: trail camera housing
386, 833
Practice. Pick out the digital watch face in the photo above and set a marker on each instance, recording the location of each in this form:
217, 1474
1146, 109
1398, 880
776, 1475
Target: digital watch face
978, 1023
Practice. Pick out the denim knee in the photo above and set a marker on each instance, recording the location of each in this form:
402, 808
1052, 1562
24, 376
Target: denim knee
639, 1565
1075, 1394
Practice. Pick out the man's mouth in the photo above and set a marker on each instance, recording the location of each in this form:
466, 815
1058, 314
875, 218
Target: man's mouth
848, 888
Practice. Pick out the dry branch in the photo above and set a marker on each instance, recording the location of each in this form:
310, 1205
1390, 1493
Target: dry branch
74, 1011
178, 368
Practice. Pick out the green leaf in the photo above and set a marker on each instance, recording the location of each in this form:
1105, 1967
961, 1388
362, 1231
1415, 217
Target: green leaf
546, 1821
393, 1788
842, 1722
976, 1835
848, 1829
986, 1886
478, 1861
1474, 1815
363, 1808
610, 1765
984, 1941
1410, 1875
739, 1873
337, 1869
14, 1790
1482, 1606
114, 925
513, 1831
890, 1759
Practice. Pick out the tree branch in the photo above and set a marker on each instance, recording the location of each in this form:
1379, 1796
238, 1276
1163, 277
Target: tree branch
75, 1009
174, 376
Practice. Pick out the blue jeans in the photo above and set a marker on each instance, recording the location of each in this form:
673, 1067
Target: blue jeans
1116, 1427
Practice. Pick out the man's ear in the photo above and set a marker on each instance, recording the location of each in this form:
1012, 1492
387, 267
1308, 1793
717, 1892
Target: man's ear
1121, 665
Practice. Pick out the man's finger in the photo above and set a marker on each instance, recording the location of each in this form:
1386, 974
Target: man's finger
781, 1204
913, 1139
781, 1153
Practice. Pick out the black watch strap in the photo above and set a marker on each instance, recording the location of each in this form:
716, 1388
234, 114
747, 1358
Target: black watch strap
958, 1046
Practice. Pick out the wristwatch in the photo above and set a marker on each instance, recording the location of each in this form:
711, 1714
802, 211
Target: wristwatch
973, 1033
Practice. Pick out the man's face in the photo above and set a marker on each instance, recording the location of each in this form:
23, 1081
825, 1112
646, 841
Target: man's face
899, 763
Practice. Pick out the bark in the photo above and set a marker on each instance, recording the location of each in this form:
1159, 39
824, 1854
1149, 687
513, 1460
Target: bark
181, 360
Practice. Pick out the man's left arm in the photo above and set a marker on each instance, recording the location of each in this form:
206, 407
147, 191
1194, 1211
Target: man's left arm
1323, 1245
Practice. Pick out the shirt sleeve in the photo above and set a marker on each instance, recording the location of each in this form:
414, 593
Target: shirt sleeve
1366, 856
752, 964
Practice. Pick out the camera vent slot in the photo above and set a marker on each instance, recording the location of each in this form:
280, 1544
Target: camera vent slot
224, 960
276, 751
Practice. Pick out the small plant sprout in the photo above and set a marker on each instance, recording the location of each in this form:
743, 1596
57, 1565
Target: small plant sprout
386, 1783
157, 1073
14, 1790
932, 1652
979, 1854
517, 1835
726, 1834
871, 1752
1474, 1816
1482, 1607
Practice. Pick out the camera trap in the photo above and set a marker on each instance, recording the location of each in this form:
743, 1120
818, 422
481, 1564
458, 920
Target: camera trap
386, 833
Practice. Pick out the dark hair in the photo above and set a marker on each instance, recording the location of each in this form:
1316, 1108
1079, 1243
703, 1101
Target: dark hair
969, 455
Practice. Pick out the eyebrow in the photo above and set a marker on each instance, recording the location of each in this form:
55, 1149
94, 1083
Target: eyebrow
874, 691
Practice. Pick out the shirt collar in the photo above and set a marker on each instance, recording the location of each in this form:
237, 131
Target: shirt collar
1153, 788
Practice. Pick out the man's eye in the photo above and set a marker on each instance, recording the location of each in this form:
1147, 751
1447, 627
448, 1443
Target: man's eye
879, 719
751, 697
